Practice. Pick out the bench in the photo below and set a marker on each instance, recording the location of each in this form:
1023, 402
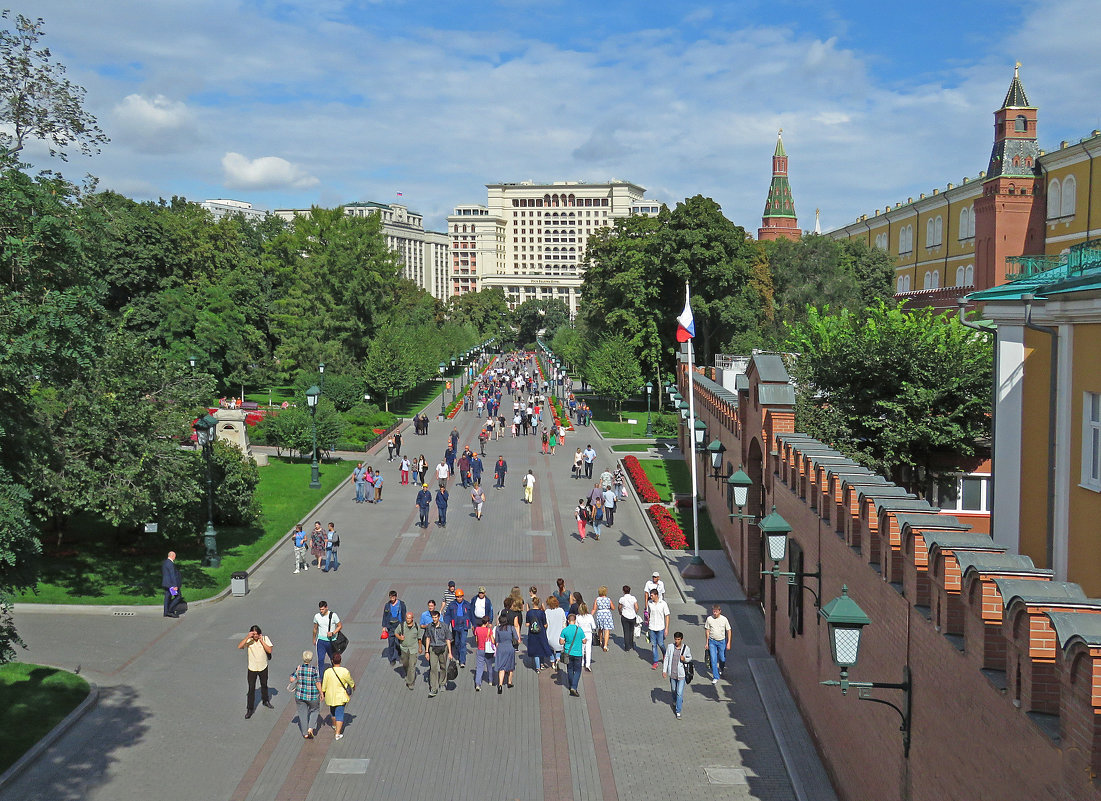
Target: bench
250, 406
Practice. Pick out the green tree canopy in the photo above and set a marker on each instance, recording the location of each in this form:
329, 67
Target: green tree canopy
614, 371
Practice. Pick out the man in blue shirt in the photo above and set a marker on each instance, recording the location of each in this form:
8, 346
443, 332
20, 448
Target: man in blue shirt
476, 468
393, 612
424, 500
457, 618
359, 476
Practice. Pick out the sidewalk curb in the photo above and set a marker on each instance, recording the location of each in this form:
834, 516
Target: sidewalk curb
52, 736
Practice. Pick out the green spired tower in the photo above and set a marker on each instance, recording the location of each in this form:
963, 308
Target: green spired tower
779, 218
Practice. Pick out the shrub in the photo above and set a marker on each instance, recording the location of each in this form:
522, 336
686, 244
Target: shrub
643, 486
671, 534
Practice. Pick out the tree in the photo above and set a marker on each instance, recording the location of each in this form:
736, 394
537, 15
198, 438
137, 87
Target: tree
486, 311
892, 388
390, 360
613, 370
528, 319
36, 100
556, 313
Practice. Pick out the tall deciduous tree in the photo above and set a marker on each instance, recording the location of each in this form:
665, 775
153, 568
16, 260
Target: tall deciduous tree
892, 388
614, 371
390, 364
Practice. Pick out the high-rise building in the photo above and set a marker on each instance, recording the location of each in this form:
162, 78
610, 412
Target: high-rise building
779, 219
223, 207
529, 239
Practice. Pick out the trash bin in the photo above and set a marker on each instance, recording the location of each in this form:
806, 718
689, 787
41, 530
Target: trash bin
238, 583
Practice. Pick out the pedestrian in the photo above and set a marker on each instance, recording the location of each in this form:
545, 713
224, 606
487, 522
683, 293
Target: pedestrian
476, 467
458, 618
448, 596
590, 456
441, 507
719, 634
602, 611
369, 487
506, 639
424, 500
556, 621
529, 486
588, 625
499, 470
390, 449
538, 647
678, 655
442, 473
257, 647
628, 617
393, 613
573, 641
337, 685
578, 461
404, 468
655, 583
464, 470
575, 601
552, 440
326, 625
332, 545
359, 476
481, 606
618, 483
581, 515
397, 444
561, 594
170, 581
408, 634
605, 480
378, 487
546, 442
317, 543
437, 644
658, 613
415, 467
609, 506
596, 512
485, 651
478, 497
306, 682
299, 539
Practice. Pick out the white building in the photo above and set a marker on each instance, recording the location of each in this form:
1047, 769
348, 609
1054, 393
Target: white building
223, 207
529, 238
423, 253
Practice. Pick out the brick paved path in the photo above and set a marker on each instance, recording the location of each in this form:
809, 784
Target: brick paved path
170, 723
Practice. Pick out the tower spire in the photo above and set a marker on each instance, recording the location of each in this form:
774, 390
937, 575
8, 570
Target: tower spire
779, 218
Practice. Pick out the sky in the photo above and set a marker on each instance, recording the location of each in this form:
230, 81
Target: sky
287, 104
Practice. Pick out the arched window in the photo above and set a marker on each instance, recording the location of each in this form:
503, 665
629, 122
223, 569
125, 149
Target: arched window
963, 224
961, 276
936, 279
930, 233
938, 230
1070, 190
927, 282
1054, 199
1020, 125
969, 275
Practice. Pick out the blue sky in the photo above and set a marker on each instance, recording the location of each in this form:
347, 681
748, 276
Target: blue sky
287, 104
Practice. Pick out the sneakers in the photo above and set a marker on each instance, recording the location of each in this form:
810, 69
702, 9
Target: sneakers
714, 681
477, 688
341, 736
432, 695
655, 667
678, 718
305, 567
296, 570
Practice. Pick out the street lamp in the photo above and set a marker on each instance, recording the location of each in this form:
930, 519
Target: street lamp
700, 434
846, 620
191, 360
443, 409
321, 369
312, 395
716, 449
204, 429
683, 406
649, 419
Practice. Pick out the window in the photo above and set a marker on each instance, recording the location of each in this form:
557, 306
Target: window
906, 239
1070, 189
1091, 441
961, 273
957, 492
967, 223
938, 230
1054, 199
969, 275
930, 233
1020, 125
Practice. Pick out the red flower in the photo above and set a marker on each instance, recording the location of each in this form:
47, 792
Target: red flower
671, 534
643, 486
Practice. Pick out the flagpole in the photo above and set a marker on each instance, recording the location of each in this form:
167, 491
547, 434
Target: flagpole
696, 568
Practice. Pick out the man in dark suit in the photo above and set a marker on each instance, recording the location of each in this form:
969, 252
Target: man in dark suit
170, 580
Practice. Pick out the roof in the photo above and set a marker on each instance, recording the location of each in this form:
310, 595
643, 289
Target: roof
998, 563
950, 540
716, 389
884, 491
1078, 270
1031, 590
903, 505
741, 381
1082, 626
770, 368
1015, 97
780, 144
776, 394
931, 521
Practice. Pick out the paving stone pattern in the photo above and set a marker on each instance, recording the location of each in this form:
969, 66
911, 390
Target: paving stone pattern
170, 723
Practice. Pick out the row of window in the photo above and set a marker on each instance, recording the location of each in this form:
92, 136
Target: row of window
965, 276
934, 232
558, 200
1061, 197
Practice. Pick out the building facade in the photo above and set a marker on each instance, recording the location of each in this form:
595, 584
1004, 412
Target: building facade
967, 237
224, 207
529, 238
423, 253
779, 220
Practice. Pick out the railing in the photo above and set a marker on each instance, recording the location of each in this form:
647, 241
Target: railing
1081, 258
1084, 257
1017, 267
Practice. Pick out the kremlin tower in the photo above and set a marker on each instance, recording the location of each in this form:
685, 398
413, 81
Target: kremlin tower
779, 218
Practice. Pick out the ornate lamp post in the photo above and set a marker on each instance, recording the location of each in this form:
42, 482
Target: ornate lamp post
443, 408
649, 419
204, 428
321, 370
312, 394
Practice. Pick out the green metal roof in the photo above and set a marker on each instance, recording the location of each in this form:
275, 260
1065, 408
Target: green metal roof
780, 144
1078, 270
1085, 626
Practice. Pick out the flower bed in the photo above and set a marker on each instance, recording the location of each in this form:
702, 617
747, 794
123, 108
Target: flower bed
457, 404
560, 418
671, 534
643, 486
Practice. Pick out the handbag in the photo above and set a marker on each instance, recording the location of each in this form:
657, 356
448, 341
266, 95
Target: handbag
689, 671
452, 670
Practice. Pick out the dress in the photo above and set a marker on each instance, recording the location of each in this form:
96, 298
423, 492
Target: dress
506, 650
538, 646
604, 620
556, 621
317, 545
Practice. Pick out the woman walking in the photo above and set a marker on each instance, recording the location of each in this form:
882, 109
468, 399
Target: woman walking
478, 498
577, 460
546, 442
405, 470
596, 512
485, 651
337, 686
317, 543
306, 683
538, 647
561, 594
603, 613
556, 621
552, 440
628, 617
507, 639
587, 623
581, 515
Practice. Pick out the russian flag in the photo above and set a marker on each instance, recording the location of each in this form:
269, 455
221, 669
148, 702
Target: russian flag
686, 324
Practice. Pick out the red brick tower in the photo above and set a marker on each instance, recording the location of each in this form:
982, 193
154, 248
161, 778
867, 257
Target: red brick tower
779, 218
1009, 217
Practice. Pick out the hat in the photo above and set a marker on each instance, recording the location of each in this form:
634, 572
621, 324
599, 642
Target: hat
425, 486
481, 589
458, 593
656, 574
451, 584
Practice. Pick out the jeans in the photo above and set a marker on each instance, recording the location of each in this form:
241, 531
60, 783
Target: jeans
423, 510
573, 671
588, 469
437, 670
392, 643
597, 523
253, 675
409, 662
331, 562
483, 662
676, 687
442, 512
609, 515
324, 649
657, 644
337, 712
717, 649
458, 646
360, 485
307, 715
628, 624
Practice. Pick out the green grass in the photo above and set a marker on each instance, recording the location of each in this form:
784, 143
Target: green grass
668, 476
709, 540
90, 569
634, 447
33, 699
277, 396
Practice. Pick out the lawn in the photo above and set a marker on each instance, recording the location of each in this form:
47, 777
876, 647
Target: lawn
33, 699
668, 476
89, 569
634, 447
709, 540
273, 395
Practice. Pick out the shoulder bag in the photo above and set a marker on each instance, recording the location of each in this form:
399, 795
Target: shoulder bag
340, 642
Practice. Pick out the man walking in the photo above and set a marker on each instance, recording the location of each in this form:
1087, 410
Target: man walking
326, 625
258, 648
441, 507
659, 626
408, 635
499, 471
529, 486
609, 506
170, 581
476, 468
443, 472
332, 544
573, 641
424, 500
437, 644
359, 476
393, 613
719, 634
589, 456
673, 669
457, 618
655, 583
300, 541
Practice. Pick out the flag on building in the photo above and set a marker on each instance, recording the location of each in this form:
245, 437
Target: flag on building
399, 194
686, 324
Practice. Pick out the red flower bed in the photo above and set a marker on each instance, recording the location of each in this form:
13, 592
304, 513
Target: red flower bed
671, 534
643, 486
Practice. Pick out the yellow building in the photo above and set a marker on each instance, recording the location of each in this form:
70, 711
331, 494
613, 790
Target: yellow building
1047, 425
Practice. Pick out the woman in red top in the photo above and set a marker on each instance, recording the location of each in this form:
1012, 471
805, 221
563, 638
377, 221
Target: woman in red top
485, 650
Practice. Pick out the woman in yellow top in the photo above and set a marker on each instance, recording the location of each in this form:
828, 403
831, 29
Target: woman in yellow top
337, 686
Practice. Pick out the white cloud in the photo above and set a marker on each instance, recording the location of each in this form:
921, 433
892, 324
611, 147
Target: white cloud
266, 172
154, 125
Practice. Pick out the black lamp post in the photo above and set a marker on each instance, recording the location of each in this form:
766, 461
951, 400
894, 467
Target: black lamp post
204, 428
443, 408
649, 419
321, 370
312, 394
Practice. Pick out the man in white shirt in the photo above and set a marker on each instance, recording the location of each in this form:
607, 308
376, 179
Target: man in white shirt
529, 486
326, 625
442, 473
628, 617
589, 456
655, 583
719, 635
659, 626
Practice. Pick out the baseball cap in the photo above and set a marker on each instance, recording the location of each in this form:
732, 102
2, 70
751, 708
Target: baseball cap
481, 589
451, 584
656, 574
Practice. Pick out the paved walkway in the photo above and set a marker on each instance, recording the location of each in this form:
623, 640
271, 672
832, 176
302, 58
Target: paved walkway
169, 723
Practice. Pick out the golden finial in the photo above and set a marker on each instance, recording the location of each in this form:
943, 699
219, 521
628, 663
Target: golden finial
780, 132
1017, 70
